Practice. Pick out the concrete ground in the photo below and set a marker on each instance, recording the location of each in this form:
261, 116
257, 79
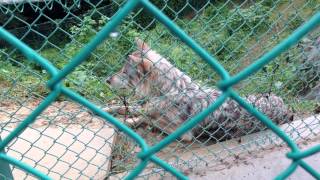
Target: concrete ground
65, 141
266, 160
263, 165
73, 152
70, 153
271, 161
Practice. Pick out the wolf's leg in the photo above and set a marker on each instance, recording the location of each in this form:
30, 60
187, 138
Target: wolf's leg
166, 115
167, 126
123, 110
187, 137
133, 122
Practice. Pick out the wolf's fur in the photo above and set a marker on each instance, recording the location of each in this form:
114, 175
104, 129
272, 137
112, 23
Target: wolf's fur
310, 68
174, 98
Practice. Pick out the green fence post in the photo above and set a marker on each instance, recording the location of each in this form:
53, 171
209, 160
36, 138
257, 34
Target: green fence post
5, 171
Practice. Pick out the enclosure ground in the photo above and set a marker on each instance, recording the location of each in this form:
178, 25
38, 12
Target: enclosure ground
261, 165
259, 155
65, 141
67, 133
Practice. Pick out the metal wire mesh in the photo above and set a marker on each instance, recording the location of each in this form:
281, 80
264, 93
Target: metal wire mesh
236, 33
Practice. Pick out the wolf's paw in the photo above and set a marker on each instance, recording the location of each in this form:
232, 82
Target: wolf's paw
187, 137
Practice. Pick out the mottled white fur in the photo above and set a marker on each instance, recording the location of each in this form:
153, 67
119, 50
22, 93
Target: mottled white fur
174, 98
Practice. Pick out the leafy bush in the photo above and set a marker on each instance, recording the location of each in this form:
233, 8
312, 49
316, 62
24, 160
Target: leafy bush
105, 60
172, 8
221, 40
19, 80
256, 18
225, 32
295, 21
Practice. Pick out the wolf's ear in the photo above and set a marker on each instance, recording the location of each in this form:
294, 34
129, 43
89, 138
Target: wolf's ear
136, 59
142, 46
145, 63
318, 42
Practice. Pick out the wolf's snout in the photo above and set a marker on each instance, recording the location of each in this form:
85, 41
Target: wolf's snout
108, 80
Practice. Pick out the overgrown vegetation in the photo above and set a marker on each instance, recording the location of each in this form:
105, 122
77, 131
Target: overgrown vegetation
235, 35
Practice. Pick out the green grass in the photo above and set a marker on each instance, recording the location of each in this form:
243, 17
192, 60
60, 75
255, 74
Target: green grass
235, 36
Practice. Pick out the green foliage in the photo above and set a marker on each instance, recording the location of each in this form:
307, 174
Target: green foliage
253, 19
223, 29
88, 79
295, 21
18, 80
270, 3
104, 61
218, 38
172, 8
305, 106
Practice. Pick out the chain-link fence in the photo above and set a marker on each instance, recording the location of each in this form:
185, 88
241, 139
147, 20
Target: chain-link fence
171, 87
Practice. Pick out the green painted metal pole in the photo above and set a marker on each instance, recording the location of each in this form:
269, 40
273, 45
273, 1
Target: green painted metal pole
5, 170
147, 154
25, 167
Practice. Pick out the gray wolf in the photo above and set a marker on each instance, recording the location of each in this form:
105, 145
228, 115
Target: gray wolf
173, 98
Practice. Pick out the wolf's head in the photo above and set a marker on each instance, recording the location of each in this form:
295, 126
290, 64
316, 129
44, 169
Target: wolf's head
149, 74
138, 72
